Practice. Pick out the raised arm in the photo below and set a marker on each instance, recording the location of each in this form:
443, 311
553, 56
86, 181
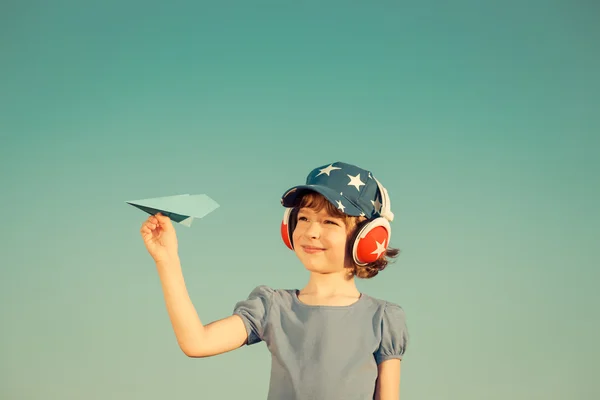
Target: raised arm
194, 338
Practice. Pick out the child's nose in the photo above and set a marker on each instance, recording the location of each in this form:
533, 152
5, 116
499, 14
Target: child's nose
313, 230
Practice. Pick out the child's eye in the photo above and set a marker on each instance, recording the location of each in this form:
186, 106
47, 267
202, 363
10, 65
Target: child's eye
301, 218
330, 222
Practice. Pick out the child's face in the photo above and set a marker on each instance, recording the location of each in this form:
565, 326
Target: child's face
320, 241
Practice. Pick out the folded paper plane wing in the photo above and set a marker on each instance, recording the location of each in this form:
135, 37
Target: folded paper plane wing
181, 208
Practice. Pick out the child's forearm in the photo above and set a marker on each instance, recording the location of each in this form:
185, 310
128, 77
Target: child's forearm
184, 318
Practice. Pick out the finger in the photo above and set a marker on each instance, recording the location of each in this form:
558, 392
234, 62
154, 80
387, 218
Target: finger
163, 220
146, 234
148, 226
150, 223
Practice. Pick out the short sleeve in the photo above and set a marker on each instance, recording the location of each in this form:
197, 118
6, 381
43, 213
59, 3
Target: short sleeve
394, 334
254, 311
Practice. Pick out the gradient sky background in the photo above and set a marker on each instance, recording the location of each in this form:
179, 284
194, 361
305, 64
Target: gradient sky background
481, 120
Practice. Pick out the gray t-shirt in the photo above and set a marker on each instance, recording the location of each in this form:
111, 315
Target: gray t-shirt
323, 352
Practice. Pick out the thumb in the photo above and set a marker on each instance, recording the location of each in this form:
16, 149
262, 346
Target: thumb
164, 221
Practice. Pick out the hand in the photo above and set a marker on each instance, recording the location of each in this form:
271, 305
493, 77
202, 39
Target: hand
159, 237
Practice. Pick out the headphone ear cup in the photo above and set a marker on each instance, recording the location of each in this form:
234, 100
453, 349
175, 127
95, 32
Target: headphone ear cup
371, 241
288, 223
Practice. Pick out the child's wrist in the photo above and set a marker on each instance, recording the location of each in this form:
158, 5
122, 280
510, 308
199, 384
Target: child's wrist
168, 261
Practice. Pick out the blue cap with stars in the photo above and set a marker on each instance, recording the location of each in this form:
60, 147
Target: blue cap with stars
351, 189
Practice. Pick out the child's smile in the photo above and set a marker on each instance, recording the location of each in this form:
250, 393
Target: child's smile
312, 249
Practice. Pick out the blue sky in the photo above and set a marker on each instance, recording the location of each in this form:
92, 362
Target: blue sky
480, 119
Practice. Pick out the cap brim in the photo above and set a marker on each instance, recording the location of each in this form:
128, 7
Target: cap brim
292, 197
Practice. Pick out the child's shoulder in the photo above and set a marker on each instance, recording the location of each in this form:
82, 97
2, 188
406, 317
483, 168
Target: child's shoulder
380, 301
385, 306
271, 294
394, 331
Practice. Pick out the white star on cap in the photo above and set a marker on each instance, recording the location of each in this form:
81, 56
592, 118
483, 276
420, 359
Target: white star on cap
355, 181
327, 170
380, 248
377, 205
340, 205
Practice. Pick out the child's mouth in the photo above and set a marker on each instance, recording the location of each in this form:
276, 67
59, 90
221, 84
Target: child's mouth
312, 250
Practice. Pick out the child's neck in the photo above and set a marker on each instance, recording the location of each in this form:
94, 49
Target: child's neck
330, 285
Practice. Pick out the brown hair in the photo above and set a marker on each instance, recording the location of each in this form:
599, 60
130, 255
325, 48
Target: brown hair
317, 202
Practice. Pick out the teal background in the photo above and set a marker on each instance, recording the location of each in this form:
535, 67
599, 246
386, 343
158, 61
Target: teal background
481, 119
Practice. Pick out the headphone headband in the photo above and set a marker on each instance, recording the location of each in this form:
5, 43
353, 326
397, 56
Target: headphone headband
386, 211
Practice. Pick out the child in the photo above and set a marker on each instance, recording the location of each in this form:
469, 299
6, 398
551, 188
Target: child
327, 341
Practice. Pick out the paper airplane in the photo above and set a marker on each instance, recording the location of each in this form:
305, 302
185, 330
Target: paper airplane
182, 208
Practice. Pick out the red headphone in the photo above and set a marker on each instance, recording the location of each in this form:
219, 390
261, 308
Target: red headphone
371, 239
